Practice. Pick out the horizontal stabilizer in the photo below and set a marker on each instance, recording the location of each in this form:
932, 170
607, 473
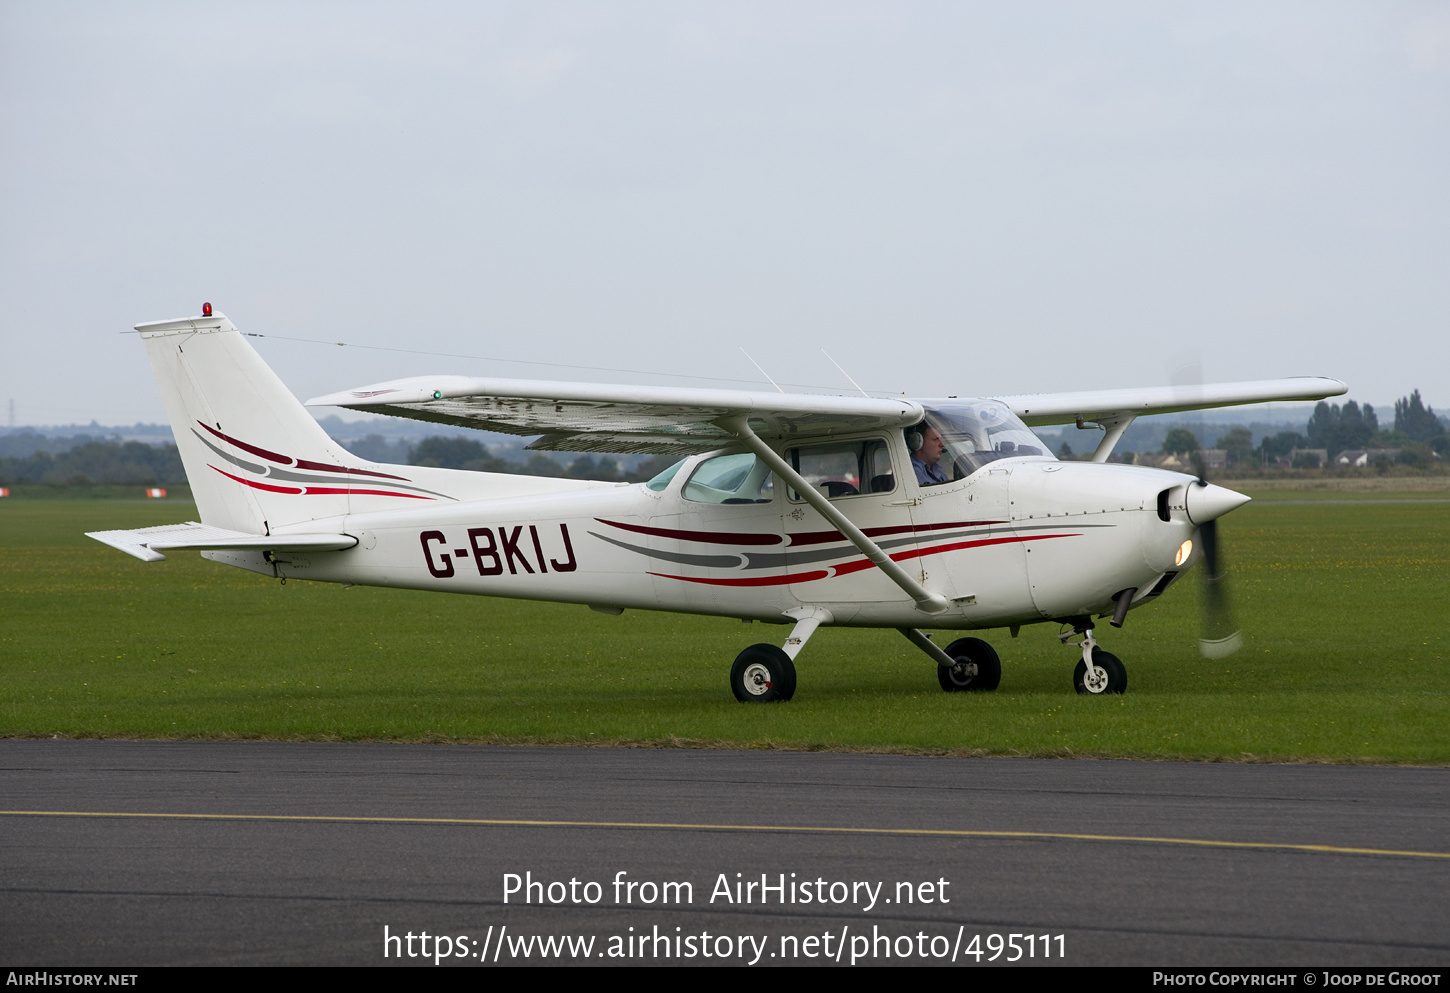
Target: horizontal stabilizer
148, 543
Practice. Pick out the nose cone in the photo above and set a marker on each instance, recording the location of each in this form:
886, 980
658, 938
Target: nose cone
1206, 503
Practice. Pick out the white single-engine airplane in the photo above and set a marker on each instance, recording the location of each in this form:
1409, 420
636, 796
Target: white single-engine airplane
784, 508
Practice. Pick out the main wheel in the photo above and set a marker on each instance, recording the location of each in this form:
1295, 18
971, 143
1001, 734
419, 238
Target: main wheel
761, 674
977, 668
1109, 675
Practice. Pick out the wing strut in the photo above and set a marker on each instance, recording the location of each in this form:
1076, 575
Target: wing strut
1114, 425
926, 602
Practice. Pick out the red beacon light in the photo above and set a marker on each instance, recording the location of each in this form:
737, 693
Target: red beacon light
206, 310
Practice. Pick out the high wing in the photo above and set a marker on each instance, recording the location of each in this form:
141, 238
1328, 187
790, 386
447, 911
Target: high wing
587, 417
1096, 405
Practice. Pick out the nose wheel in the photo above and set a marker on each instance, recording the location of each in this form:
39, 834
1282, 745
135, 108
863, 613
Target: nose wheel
1107, 674
1098, 672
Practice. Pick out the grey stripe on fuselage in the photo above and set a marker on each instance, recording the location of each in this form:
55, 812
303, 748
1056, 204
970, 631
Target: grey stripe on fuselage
260, 470
684, 558
780, 560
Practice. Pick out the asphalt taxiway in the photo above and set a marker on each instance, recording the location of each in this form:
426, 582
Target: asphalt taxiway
201, 853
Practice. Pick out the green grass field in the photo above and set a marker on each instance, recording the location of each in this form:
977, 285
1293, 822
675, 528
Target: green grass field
1343, 609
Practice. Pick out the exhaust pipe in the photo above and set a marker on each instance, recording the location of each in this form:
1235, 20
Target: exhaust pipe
1121, 611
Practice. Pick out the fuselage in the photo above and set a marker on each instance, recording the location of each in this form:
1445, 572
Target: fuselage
811, 509
1018, 540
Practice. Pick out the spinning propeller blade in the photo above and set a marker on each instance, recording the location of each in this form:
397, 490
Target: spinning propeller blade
1221, 637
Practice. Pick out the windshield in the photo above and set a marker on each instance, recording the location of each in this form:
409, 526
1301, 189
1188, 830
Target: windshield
976, 432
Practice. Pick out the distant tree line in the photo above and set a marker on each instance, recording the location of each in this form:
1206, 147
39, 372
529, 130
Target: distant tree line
1339, 429
130, 463
137, 463
1418, 436
1419, 424
464, 453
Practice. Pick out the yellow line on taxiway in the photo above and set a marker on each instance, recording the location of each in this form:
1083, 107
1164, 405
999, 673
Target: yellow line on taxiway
776, 828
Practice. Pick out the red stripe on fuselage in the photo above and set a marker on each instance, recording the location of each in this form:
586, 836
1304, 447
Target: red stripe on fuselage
800, 538
823, 537
316, 490
260, 452
860, 564
300, 463
324, 467
295, 491
804, 577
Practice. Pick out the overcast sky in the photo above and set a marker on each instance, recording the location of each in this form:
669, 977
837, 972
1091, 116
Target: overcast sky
951, 198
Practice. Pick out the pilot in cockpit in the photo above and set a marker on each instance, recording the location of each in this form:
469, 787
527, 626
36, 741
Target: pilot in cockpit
926, 446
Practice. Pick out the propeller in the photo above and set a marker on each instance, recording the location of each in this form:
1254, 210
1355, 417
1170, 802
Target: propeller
1221, 636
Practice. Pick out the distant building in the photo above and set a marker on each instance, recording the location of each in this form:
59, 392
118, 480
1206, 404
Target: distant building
1214, 459
1366, 456
1178, 463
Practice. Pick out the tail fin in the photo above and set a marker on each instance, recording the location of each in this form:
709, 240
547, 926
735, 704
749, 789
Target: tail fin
255, 457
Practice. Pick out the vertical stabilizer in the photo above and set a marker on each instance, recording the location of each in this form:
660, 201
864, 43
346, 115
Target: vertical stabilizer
255, 457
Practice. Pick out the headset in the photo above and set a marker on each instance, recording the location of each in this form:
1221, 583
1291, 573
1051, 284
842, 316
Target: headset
915, 438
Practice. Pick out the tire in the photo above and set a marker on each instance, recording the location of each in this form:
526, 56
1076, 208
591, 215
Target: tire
978, 668
762, 674
1116, 675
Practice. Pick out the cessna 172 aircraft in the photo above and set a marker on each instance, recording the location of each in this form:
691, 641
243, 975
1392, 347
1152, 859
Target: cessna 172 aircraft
784, 508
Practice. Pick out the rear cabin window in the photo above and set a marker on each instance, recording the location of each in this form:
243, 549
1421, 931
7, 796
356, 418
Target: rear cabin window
660, 482
740, 478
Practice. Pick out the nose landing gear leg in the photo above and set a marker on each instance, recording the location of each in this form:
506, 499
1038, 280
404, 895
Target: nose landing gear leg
1098, 672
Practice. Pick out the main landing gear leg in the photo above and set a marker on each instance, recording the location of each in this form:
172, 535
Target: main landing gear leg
764, 673
1098, 672
965, 664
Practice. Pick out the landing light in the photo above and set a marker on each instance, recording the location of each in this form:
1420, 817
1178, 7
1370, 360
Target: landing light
1184, 550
